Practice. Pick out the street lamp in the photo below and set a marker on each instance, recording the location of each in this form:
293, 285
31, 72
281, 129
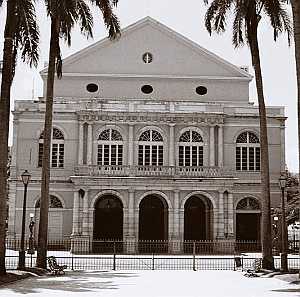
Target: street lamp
25, 176
284, 234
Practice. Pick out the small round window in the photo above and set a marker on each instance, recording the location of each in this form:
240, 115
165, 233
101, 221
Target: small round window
147, 89
147, 58
92, 88
201, 90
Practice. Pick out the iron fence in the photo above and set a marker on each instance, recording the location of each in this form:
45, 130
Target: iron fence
174, 247
151, 262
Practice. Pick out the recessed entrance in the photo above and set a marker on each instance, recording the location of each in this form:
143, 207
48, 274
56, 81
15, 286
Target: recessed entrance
108, 218
248, 226
153, 218
195, 219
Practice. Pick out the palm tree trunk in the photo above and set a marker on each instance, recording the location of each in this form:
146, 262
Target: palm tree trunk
44, 205
296, 20
7, 75
266, 238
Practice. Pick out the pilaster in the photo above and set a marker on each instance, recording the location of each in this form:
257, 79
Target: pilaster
90, 144
75, 229
171, 145
220, 147
80, 143
130, 144
212, 146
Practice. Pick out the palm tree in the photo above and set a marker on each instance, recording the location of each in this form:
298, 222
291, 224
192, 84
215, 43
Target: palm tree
21, 35
64, 14
247, 16
296, 20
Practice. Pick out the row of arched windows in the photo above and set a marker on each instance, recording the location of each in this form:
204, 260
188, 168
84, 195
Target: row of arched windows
151, 149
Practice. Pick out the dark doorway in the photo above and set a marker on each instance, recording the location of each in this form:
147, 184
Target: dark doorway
195, 219
153, 224
108, 224
248, 226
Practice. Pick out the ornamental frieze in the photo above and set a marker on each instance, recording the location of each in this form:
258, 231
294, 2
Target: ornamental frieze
155, 118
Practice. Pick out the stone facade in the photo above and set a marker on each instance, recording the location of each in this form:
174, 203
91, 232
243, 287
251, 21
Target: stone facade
190, 154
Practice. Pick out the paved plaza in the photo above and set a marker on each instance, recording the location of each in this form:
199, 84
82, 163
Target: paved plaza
154, 284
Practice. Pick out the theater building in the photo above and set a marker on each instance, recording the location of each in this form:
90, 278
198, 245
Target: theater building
154, 138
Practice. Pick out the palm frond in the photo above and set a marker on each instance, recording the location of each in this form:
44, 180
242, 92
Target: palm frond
27, 31
85, 18
279, 18
216, 15
110, 19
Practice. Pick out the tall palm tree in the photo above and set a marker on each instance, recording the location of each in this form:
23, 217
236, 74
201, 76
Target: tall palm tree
21, 36
296, 20
64, 14
247, 16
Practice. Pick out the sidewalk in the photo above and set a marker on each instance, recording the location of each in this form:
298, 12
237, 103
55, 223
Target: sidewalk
152, 284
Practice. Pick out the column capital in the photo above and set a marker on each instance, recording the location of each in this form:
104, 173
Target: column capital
131, 190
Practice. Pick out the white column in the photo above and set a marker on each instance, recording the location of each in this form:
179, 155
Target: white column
230, 215
221, 216
15, 144
12, 210
130, 145
75, 213
171, 146
212, 146
176, 231
89, 144
85, 217
220, 147
131, 218
282, 140
80, 143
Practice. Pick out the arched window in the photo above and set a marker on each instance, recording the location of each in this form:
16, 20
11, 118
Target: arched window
247, 152
54, 203
151, 150
110, 148
190, 149
57, 150
248, 204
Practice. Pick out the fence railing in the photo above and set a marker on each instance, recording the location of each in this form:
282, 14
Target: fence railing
151, 262
87, 246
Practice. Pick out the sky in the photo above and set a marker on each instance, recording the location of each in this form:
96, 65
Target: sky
187, 18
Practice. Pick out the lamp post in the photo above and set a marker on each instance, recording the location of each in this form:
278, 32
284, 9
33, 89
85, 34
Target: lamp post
25, 179
284, 235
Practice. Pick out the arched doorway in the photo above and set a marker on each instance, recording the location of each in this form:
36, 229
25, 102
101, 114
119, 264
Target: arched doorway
248, 222
197, 222
55, 219
108, 223
153, 223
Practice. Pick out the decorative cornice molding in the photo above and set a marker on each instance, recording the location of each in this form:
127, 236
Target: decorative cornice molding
126, 117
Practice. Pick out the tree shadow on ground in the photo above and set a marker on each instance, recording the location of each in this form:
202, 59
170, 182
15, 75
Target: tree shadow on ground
291, 290
70, 282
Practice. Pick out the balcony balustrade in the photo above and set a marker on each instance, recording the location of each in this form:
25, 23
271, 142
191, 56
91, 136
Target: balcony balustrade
159, 171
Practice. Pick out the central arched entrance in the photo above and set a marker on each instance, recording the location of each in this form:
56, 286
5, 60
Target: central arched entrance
153, 223
108, 223
197, 223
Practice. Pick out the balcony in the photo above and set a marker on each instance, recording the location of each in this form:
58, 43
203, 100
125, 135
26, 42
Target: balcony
155, 171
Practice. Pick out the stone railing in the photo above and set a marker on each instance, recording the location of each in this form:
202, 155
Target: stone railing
118, 170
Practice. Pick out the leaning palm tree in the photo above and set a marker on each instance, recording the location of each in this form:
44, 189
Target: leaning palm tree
247, 16
21, 36
64, 14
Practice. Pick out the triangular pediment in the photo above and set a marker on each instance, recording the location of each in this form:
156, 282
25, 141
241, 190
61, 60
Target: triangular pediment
173, 55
